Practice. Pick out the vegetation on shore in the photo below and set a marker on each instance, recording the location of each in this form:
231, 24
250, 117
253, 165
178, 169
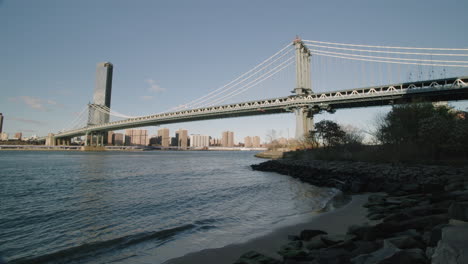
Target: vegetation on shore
417, 132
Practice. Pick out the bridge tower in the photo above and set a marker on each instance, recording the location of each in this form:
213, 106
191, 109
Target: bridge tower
98, 111
304, 116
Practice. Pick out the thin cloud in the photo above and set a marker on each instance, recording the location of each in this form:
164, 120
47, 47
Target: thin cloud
154, 87
146, 97
35, 102
27, 121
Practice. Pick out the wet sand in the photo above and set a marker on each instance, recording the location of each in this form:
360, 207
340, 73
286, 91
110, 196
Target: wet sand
334, 222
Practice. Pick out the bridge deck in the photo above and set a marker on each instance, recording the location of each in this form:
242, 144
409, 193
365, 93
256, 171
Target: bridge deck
448, 89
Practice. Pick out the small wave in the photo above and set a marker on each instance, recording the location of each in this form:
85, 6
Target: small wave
92, 249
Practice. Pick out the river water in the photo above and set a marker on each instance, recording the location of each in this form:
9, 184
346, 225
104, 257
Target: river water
140, 207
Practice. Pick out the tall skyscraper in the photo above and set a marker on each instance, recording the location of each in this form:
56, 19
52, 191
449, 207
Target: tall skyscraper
1, 123
227, 139
182, 136
248, 142
102, 94
256, 142
163, 135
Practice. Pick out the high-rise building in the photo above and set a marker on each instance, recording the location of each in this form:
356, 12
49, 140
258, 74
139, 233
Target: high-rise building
1, 123
227, 139
182, 138
136, 137
248, 142
102, 94
163, 137
18, 136
198, 141
4, 136
256, 142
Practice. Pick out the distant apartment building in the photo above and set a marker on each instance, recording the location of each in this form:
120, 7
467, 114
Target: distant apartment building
182, 138
163, 137
18, 136
215, 142
110, 138
4, 136
199, 141
1, 123
118, 139
256, 142
248, 142
136, 137
227, 139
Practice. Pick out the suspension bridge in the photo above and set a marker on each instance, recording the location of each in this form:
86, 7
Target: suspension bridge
425, 71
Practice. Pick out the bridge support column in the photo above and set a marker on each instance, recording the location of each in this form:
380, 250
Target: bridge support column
304, 122
50, 140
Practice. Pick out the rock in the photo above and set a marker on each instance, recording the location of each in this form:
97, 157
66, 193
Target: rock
315, 243
453, 186
429, 252
432, 187
410, 256
418, 223
293, 238
410, 187
410, 232
458, 211
378, 256
253, 257
296, 254
365, 232
435, 235
376, 216
396, 217
335, 239
376, 199
405, 242
365, 247
293, 245
307, 234
357, 187
453, 247
332, 256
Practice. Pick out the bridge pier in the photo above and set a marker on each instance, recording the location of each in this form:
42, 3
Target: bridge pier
304, 122
304, 116
94, 141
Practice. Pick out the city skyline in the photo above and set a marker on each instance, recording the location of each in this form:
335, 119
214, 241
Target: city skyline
152, 75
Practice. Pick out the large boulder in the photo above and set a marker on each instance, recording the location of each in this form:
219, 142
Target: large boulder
453, 247
458, 211
253, 257
405, 242
315, 243
307, 234
390, 254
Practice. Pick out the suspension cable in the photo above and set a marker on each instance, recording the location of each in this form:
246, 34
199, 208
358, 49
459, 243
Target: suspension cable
381, 47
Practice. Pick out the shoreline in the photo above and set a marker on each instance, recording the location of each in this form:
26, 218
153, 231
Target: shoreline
270, 243
415, 214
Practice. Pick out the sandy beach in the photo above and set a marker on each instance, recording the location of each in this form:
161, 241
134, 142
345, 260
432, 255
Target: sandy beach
335, 221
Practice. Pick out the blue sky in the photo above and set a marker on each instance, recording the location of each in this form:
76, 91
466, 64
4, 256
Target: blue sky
166, 53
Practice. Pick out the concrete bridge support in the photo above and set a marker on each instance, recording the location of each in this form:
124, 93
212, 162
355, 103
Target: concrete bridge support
94, 141
304, 117
304, 122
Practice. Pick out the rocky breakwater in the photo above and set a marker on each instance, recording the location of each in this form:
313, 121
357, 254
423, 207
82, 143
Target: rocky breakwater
419, 216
